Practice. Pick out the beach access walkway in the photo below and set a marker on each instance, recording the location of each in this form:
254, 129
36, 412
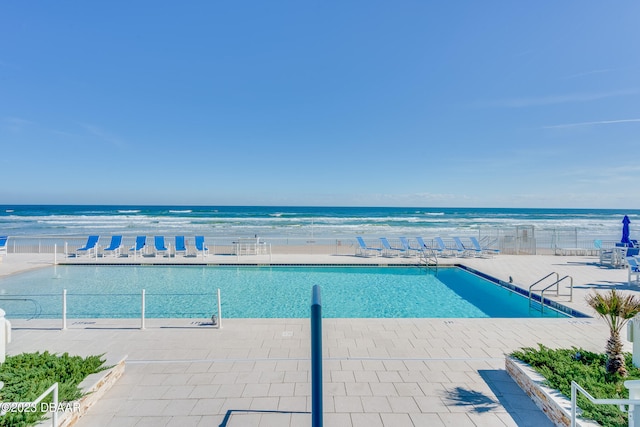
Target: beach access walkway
377, 372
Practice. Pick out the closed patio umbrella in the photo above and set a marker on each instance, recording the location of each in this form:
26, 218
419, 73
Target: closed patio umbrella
625, 231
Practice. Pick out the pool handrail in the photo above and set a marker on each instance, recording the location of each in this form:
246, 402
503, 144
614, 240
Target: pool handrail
316, 357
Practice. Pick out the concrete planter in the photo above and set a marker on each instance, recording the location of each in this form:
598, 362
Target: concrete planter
553, 403
93, 387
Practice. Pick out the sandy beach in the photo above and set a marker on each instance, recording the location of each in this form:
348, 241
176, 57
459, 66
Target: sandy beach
378, 372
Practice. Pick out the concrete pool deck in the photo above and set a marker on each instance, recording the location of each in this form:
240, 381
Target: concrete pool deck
377, 372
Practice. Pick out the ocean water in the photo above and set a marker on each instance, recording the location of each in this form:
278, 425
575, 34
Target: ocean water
302, 221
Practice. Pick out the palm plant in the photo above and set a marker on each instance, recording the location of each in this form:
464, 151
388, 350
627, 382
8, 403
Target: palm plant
616, 309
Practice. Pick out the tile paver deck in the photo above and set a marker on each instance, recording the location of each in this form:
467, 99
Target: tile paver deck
377, 372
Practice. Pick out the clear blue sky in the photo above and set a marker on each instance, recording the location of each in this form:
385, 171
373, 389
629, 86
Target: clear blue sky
380, 103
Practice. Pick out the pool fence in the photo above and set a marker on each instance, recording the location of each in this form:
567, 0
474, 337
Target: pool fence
521, 240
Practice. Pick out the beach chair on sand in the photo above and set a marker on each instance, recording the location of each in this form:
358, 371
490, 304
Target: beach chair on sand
200, 246
114, 247
3, 244
180, 246
364, 250
138, 247
159, 246
89, 247
389, 250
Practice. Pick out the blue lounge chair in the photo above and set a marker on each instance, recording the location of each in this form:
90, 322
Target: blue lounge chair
407, 246
364, 250
482, 250
442, 249
634, 270
421, 243
389, 250
159, 246
461, 249
89, 247
138, 248
180, 246
115, 246
3, 244
200, 246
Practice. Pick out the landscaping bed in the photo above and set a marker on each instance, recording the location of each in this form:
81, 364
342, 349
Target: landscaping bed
80, 380
551, 390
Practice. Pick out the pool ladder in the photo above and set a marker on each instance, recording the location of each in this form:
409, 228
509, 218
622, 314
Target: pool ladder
548, 287
429, 260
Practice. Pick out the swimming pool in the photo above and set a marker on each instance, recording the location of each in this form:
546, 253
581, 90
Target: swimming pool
259, 292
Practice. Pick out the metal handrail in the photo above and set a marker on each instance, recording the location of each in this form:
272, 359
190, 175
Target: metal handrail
7, 406
427, 255
548, 275
556, 283
541, 296
575, 388
316, 358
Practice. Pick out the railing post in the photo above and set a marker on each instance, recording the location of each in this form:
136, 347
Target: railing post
64, 309
55, 254
142, 312
54, 415
574, 403
316, 358
219, 311
634, 394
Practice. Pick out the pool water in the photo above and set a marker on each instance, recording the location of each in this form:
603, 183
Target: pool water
259, 292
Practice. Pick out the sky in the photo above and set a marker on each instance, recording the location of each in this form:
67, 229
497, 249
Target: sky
321, 103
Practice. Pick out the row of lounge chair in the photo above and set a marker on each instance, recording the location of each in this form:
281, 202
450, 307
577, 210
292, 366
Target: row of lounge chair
92, 248
438, 248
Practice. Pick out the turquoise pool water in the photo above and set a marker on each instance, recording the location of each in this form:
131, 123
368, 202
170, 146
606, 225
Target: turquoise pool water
259, 292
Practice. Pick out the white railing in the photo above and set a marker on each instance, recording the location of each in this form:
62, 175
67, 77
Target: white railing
507, 240
634, 391
216, 318
33, 406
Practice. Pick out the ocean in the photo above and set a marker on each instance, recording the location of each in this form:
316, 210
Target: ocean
304, 222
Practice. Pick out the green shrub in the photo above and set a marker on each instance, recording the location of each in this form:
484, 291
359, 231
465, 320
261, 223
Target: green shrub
560, 367
26, 376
